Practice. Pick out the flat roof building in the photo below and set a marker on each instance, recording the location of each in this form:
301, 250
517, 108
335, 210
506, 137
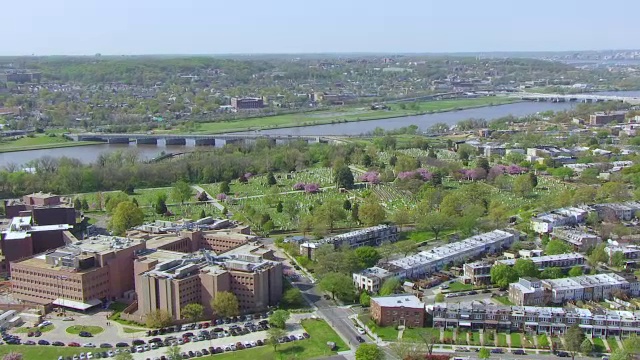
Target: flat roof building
405, 310
372, 236
44, 208
578, 239
544, 223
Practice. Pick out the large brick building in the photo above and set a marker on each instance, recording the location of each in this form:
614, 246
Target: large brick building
403, 309
247, 103
80, 275
169, 281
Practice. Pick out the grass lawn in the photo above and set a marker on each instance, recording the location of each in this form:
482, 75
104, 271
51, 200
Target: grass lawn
44, 329
502, 339
129, 330
503, 300
315, 346
39, 142
117, 308
613, 343
415, 334
541, 341
386, 333
527, 341
461, 338
40, 352
598, 345
76, 329
475, 338
458, 286
516, 340
448, 334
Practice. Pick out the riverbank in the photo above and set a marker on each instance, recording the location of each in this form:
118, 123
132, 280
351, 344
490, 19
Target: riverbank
40, 142
344, 115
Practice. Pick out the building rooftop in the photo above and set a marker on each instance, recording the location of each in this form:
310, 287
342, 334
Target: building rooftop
583, 281
401, 300
21, 226
541, 259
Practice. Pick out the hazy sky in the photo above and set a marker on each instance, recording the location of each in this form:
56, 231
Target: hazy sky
45, 27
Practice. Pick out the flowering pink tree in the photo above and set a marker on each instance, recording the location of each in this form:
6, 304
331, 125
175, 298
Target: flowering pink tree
371, 177
424, 173
311, 188
406, 175
298, 186
516, 170
12, 356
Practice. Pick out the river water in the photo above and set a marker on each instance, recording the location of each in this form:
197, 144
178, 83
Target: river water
90, 153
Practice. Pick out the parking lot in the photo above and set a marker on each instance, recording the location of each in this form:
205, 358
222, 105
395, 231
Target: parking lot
194, 340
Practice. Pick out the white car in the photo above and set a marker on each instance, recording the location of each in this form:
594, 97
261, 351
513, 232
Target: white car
139, 348
45, 323
361, 331
89, 355
253, 344
154, 346
300, 337
247, 344
82, 356
111, 353
89, 345
146, 347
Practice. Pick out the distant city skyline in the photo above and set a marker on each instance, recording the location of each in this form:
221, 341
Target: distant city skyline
121, 27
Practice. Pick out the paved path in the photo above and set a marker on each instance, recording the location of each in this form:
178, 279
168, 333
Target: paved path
213, 201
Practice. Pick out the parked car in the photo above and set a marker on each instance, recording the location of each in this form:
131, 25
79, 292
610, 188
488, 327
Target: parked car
122, 345
43, 342
518, 352
57, 343
496, 351
73, 344
85, 334
359, 339
562, 354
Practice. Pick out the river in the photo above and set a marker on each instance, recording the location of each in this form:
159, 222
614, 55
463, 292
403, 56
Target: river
90, 153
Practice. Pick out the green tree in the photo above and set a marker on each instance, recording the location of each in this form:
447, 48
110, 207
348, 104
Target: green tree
77, 204
367, 256
181, 191
173, 353
389, 286
193, 312
346, 204
365, 299
160, 205
158, 319
126, 216
522, 186
337, 284
113, 200
436, 222
371, 212
556, 247
439, 297
575, 271
279, 318
225, 304
355, 213
484, 353
526, 268
502, 275
573, 339
369, 352
401, 217
543, 341
271, 180
586, 347
618, 259
483, 163
343, 177
598, 255
551, 273
292, 298
274, 335
224, 188
329, 213
85, 204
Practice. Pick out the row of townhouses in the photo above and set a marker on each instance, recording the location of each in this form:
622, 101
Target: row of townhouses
430, 261
372, 236
531, 291
535, 320
479, 272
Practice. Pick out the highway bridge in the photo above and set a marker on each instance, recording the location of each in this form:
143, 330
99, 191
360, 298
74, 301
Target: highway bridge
585, 98
191, 139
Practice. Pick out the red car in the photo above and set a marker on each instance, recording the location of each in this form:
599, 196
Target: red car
205, 325
73, 344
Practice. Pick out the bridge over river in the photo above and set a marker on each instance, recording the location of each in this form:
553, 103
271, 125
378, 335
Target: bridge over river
586, 98
197, 140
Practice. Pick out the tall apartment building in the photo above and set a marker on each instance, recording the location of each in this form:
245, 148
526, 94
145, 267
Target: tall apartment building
585, 288
479, 272
22, 239
80, 276
430, 261
20, 76
579, 240
247, 103
372, 236
544, 223
535, 320
169, 281
405, 310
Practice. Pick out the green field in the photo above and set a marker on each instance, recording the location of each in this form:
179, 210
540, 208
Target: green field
475, 338
412, 334
613, 343
503, 300
76, 329
39, 142
448, 334
35, 352
461, 338
129, 330
346, 114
